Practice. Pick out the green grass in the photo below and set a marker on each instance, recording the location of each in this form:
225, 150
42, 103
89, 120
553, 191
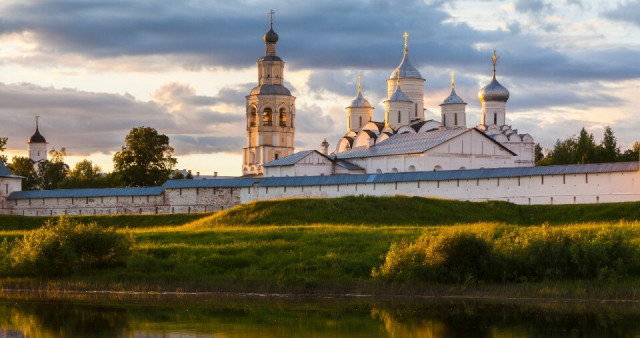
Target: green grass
320, 245
402, 210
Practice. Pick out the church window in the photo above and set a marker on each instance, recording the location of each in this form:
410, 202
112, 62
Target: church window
416, 111
277, 155
253, 119
394, 170
378, 171
283, 117
455, 119
495, 118
412, 168
360, 121
444, 120
399, 117
437, 168
267, 118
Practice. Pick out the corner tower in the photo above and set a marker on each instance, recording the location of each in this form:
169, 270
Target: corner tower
270, 112
37, 146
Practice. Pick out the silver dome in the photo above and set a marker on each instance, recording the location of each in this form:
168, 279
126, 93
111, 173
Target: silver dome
453, 98
398, 95
406, 70
494, 91
360, 102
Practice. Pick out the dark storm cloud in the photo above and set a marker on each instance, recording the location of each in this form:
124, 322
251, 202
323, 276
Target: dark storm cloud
86, 122
628, 11
313, 35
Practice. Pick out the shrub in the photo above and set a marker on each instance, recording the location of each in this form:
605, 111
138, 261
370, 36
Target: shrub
64, 247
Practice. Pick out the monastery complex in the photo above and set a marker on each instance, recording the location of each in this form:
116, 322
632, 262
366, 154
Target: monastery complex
403, 155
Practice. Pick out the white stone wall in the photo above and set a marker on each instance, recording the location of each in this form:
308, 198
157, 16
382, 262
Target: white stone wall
7, 186
547, 189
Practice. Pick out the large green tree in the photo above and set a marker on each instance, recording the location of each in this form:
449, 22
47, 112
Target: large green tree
52, 173
145, 159
608, 150
23, 166
84, 175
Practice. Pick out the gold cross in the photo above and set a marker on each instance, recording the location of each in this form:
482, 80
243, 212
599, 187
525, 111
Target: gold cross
494, 59
359, 85
271, 13
453, 84
406, 44
37, 117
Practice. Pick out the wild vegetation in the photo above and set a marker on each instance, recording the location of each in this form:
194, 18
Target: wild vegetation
367, 245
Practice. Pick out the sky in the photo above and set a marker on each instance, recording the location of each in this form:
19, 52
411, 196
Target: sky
95, 69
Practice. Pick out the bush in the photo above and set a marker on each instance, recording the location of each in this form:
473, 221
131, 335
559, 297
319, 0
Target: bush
504, 253
64, 247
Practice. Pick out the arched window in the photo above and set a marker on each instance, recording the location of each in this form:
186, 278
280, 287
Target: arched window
394, 170
437, 168
495, 118
360, 120
399, 116
412, 168
267, 118
378, 171
253, 117
455, 119
283, 117
444, 120
277, 156
462, 168
416, 111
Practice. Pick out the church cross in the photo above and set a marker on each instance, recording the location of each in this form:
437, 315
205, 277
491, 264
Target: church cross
494, 59
271, 13
359, 84
37, 117
406, 44
453, 83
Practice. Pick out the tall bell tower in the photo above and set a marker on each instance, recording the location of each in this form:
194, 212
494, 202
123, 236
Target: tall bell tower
270, 112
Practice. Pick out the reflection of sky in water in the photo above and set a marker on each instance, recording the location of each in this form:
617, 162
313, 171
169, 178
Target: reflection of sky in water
225, 317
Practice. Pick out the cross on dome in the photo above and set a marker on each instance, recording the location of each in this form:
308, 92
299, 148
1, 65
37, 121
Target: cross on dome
271, 13
406, 43
494, 59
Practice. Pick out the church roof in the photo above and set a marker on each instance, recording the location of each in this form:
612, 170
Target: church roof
398, 95
360, 102
410, 143
453, 98
291, 159
406, 70
5, 172
80, 193
37, 137
270, 90
494, 91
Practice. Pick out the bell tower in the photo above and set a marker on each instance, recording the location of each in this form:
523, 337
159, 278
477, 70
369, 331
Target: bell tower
270, 112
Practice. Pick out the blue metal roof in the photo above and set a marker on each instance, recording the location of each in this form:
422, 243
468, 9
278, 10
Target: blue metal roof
79, 193
289, 160
5, 172
216, 183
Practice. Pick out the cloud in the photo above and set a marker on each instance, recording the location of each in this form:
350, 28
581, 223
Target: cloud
531, 6
628, 12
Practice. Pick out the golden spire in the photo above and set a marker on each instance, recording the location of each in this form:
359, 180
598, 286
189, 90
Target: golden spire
359, 84
406, 44
453, 83
271, 13
494, 59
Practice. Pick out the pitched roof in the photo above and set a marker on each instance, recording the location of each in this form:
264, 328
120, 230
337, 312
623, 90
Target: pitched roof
5, 172
291, 159
80, 193
410, 143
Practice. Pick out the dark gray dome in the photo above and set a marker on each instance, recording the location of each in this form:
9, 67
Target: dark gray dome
271, 36
494, 91
453, 98
270, 90
37, 137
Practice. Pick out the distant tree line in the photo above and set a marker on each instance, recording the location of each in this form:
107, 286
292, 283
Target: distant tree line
583, 149
145, 160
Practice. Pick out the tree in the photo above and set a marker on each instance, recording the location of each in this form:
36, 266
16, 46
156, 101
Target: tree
84, 175
51, 173
608, 150
632, 154
23, 166
145, 160
3, 147
585, 148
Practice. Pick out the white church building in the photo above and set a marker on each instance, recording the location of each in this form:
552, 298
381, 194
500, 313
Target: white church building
406, 142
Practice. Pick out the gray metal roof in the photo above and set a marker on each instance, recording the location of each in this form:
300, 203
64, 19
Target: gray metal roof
289, 160
452, 98
406, 69
404, 144
348, 165
360, 102
79, 193
270, 90
399, 95
217, 183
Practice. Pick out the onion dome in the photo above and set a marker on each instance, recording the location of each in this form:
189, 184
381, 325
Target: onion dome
271, 36
360, 101
453, 97
37, 137
406, 70
494, 91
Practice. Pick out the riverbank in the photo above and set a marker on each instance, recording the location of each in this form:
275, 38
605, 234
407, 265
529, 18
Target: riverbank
244, 250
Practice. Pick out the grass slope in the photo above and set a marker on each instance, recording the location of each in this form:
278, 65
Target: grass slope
402, 210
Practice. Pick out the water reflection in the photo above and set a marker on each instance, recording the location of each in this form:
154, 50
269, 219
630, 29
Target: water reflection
226, 316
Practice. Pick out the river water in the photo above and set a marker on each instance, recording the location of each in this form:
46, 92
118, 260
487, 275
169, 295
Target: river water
280, 316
